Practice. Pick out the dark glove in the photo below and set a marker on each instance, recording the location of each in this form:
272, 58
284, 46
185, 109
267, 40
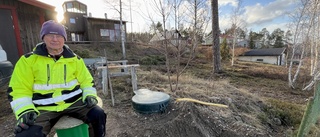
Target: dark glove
25, 120
91, 101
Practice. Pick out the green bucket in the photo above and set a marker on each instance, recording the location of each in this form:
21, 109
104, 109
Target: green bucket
77, 131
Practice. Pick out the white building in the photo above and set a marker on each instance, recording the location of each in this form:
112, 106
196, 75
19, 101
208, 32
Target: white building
274, 56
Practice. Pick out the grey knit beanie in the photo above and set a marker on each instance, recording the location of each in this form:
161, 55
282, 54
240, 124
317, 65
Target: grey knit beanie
52, 27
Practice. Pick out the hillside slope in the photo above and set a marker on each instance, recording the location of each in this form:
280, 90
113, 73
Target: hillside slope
258, 99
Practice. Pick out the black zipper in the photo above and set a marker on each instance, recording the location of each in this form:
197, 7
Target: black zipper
48, 74
65, 74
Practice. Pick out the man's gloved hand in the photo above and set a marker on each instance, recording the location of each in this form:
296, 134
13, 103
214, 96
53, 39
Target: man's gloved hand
25, 120
91, 101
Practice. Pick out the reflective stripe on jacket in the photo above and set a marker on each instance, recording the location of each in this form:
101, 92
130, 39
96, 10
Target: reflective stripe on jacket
39, 82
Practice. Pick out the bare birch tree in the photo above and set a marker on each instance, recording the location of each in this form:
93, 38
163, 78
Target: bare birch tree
122, 39
312, 40
236, 24
303, 24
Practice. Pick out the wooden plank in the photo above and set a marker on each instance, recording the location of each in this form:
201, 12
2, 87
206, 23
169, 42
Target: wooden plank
118, 61
118, 66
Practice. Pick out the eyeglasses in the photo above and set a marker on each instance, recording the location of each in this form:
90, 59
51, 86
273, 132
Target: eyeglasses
52, 36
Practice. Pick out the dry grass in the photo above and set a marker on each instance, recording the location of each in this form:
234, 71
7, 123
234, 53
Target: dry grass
258, 92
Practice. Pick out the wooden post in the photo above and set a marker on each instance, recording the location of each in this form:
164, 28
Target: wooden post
133, 78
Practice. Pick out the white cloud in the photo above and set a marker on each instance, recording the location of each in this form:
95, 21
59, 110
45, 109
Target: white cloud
270, 15
259, 14
224, 22
272, 27
233, 3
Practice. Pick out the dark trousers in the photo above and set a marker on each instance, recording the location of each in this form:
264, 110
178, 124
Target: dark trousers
95, 117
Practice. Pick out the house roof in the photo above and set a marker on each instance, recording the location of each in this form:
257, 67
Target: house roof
220, 36
66, 1
39, 4
225, 36
159, 36
265, 52
96, 18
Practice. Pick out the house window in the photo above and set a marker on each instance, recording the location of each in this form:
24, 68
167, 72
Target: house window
69, 7
75, 7
116, 26
260, 60
76, 37
83, 8
104, 32
112, 36
72, 20
117, 32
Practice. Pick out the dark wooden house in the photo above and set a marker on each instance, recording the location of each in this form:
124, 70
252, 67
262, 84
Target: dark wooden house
99, 29
81, 27
21, 22
73, 12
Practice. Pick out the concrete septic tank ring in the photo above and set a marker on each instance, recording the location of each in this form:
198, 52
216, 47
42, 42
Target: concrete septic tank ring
146, 101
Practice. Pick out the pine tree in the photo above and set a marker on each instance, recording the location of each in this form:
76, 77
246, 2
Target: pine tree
224, 51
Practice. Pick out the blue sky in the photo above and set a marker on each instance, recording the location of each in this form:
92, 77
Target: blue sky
255, 14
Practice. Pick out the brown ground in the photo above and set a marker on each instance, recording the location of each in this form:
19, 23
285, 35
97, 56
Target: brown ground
243, 89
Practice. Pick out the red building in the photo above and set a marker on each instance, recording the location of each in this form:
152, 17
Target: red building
21, 22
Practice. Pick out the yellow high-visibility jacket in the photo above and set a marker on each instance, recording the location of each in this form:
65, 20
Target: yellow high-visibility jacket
40, 82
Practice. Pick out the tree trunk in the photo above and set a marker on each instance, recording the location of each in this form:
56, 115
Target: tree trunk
215, 39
